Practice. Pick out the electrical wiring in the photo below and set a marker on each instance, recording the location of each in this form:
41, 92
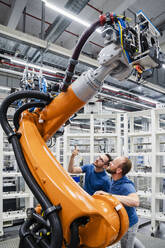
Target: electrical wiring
121, 40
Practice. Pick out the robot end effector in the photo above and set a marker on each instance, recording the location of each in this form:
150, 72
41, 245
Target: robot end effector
129, 48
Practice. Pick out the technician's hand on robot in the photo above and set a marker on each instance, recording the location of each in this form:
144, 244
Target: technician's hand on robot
101, 192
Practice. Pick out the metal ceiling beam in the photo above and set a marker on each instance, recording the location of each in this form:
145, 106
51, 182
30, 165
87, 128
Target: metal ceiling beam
27, 39
61, 23
16, 12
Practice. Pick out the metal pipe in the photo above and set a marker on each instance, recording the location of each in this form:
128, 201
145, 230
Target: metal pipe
24, 20
43, 21
7, 4
91, 6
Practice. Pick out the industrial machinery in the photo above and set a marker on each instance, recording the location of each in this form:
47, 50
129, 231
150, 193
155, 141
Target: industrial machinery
68, 216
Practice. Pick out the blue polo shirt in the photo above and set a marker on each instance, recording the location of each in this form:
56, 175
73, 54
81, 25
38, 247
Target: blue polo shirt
124, 186
95, 181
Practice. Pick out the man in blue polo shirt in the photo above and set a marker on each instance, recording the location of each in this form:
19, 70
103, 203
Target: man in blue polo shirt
124, 190
96, 177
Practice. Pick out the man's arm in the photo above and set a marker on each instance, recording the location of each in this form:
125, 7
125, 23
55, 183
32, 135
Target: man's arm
71, 167
131, 200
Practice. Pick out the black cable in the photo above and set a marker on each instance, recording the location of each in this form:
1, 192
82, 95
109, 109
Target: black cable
12, 98
26, 238
74, 229
73, 61
74, 238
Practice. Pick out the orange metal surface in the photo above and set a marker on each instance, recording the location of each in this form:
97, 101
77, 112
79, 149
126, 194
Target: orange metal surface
106, 225
59, 111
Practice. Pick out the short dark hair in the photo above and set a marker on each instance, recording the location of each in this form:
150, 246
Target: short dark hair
109, 158
126, 166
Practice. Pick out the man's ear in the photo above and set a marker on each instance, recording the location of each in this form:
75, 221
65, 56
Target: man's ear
119, 170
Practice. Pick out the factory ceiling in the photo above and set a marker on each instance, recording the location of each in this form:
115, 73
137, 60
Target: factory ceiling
33, 33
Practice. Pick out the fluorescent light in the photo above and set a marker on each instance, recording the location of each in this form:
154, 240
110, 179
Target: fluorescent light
138, 125
113, 109
21, 62
147, 117
66, 13
70, 15
25, 63
105, 86
140, 87
163, 65
4, 88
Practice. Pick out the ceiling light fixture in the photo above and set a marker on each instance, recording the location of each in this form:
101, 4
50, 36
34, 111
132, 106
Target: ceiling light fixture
66, 13
107, 87
140, 88
21, 62
163, 65
25, 63
5, 88
113, 109
69, 15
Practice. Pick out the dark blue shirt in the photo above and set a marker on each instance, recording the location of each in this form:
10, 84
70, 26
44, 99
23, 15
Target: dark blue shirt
95, 181
124, 186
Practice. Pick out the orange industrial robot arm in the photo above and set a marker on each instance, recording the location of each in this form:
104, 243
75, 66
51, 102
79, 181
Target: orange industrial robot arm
71, 218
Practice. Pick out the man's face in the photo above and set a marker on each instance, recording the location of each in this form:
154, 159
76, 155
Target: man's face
114, 166
101, 161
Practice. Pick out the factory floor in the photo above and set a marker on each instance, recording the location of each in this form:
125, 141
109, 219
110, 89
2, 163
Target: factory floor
11, 240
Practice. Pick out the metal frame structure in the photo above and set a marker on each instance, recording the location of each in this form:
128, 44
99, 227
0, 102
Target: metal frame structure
149, 146
8, 217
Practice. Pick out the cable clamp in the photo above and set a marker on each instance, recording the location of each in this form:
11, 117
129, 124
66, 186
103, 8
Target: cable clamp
10, 135
70, 74
73, 61
52, 209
